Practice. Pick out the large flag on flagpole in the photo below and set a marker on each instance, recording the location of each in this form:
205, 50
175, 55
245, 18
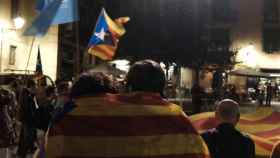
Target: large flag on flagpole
52, 12
41, 4
67, 12
104, 40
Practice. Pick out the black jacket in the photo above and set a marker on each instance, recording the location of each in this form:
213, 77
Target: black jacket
227, 142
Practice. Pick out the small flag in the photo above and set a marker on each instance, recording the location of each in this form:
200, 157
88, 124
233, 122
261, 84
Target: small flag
104, 41
52, 12
39, 68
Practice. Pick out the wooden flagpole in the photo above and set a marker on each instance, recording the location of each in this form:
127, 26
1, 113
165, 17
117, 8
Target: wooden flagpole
29, 55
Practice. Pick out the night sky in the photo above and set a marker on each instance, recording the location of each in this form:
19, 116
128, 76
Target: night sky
160, 29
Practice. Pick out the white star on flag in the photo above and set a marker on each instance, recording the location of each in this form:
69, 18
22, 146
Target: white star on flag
101, 34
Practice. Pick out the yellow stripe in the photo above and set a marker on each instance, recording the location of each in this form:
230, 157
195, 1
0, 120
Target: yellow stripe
274, 137
126, 110
99, 54
119, 30
129, 146
260, 139
261, 151
201, 116
110, 51
260, 113
257, 128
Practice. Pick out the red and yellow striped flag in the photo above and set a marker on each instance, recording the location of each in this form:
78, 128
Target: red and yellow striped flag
137, 125
262, 126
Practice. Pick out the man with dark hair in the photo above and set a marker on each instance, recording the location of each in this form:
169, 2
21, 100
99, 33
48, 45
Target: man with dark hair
92, 84
139, 123
46, 108
147, 76
225, 141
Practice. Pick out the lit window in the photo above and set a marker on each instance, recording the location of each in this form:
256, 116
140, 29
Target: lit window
12, 55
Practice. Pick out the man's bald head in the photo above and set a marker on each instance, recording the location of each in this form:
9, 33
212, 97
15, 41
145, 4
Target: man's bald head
228, 111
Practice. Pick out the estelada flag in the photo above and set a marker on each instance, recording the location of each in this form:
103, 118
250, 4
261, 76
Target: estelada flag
104, 40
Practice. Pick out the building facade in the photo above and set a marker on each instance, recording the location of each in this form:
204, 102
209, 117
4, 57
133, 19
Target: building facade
18, 54
249, 26
257, 34
258, 26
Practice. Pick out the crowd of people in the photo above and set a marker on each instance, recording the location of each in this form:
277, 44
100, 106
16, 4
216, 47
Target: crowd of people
92, 118
262, 95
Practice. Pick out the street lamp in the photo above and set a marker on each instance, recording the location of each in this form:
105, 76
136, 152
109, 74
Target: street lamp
248, 55
18, 22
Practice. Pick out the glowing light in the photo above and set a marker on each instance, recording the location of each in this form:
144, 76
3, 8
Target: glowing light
247, 56
122, 64
274, 75
19, 22
162, 65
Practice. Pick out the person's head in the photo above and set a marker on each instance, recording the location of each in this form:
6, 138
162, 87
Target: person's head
5, 97
228, 112
50, 91
92, 84
146, 76
268, 83
63, 88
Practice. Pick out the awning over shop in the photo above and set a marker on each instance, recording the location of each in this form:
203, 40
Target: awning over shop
249, 72
106, 68
268, 70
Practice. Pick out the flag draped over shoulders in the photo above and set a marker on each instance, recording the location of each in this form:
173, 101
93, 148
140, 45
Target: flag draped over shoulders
262, 126
127, 126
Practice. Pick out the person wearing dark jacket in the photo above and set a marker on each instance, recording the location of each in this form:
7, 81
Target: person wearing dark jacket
197, 95
29, 106
225, 141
